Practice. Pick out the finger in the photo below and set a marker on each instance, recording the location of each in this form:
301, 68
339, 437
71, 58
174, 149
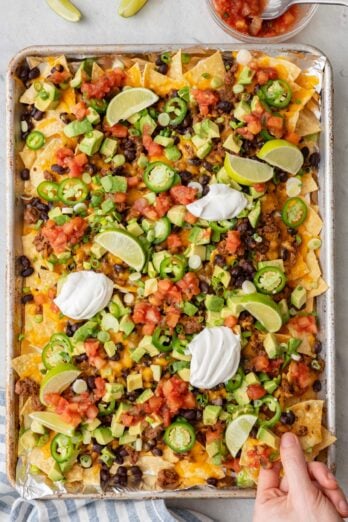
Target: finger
338, 499
294, 464
268, 479
320, 472
284, 485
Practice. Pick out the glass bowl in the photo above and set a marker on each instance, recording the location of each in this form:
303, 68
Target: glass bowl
306, 13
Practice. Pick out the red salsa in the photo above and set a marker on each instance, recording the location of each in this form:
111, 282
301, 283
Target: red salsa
245, 17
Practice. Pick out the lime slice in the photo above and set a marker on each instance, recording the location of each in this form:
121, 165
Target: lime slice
282, 154
129, 102
58, 379
65, 9
264, 309
52, 421
238, 431
123, 245
247, 171
130, 7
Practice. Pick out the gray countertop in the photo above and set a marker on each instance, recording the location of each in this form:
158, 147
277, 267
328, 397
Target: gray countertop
26, 23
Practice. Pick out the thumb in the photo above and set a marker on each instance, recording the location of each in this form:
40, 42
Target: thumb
268, 480
294, 464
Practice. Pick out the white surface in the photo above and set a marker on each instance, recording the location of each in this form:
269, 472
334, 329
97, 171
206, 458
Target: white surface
25, 23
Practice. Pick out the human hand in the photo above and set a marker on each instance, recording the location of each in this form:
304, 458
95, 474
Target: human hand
307, 493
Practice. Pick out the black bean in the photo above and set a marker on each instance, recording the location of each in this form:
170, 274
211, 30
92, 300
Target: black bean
246, 266
287, 417
133, 395
91, 382
199, 415
200, 436
119, 459
159, 61
27, 272
185, 176
118, 171
123, 452
25, 174
318, 347
236, 271
212, 481
204, 287
23, 72
238, 283
224, 106
122, 470
314, 159
186, 122
38, 115
204, 180
33, 73
195, 161
189, 415
208, 166
130, 155
305, 152
219, 260
316, 386
27, 298
104, 475
24, 261
205, 190
57, 68
176, 140
81, 358
284, 254
157, 452
97, 447
58, 169
115, 357
135, 470
282, 176
64, 116
292, 231
42, 206
90, 168
242, 226
119, 268
44, 216
163, 68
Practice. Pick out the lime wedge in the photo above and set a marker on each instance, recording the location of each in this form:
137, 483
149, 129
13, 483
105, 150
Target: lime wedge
130, 7
264, 309
129, 102
52, 421
123, 245
282, 154
247, 171
238, 431
58, 379
65, 9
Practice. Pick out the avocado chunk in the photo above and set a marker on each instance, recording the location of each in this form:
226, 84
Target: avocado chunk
149, 123
109, 147
176, 215
200, 236
211, 414
221, 275
145, 396
138, 354
298, 297
113, 392
213, 448
268, 438
126, 325
196, 250
243, 479
284, 310
241, 395
156, 371
164, 141
117, 429
254, 214
210, 129
214, 303
55, 473
76, 128
134, 382
235, 305
47, 98
241, 110
246, 76
93, 116
271, 345
103, 435
214, 319
82, 73
135, 430
189, 309
158, 257
127, 439
91, 143
123, 408
184, 373
204, 150
251, 378
232, 143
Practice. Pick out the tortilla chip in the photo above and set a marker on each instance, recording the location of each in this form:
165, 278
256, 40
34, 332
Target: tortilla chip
193, 473
27, 365
91, 476
28, 96
38, 457
44, 159
313, 223
97, 72
134, 76
39, 334
50, 125
211, 67
175, 67
300, 97
286, 69
313, 265
327, 440
298, 270
308, 184
307, 425
320, 289
28, 157
67, 101
307, 123
75, 474
309, 304
159, 83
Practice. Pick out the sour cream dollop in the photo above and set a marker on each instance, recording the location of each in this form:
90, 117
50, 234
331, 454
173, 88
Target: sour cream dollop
215, 356
221, 202
84, 294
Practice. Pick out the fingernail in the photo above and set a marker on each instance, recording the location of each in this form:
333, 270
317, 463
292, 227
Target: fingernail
288, 440
343, 506
330, 476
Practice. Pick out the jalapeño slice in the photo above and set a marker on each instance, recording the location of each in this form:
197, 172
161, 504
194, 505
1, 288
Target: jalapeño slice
62, 448
162, 340
180, 436
270, 280
294, 212
57, 351
177, 109
48, 190
159, 177
72, 191
277, 93
273, 405
172, 268
35, 140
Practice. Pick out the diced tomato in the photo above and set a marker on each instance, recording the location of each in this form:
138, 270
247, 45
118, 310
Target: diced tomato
128, 420
92, 412
293, 137
260, 363
254, 123
259, 187
233, 464
172, 317
100, 87
256, 391
117, 131
245, 132
206, 99
189, 285
162, 204
233, 241
76, 165
58, 77
99, 390
120, 197
231, 321
60, 236
132, 182
92, 347
62, 154
154, 149
304, 323
301, 374
80, 110
260, 456
190, 218
275, 125
214, 432
176, 394
183, 195
146, 313
174, 243
148, 329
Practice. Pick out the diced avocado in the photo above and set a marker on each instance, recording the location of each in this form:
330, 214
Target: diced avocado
222, 275
176, 215
271, 345
149, 123
92, 425
151, 270
189, 309
164, 141
213, 448
196, 250
82, 73
55, 473
107, 456
211, 414
27, 441
255, 103
76, 128
251, 378
241, 110
136, 430
246, 76
134, 228
268, 438
254, 214
103, 435
180, 356
117, 308
235, 305
126, 325
172, 153
278, 263
134, 118
210, 129
214, 319
156, 372
200, 236
226, 312
154, 420
117, 429
284, 310
217, 459
232, 143
255, 194
271, 386
123, 408
134, 382
97, 250
243, 479
86, 436
241, 395
68, 464
298, 297
138, 354
146, 343
204, 150
93, 116
36, 427
113, 392
158, 257
214, 303
184, 373
91, 143
109, 147
109, 322
145, 396
150, 287
127, 439
198, 141
47, 98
